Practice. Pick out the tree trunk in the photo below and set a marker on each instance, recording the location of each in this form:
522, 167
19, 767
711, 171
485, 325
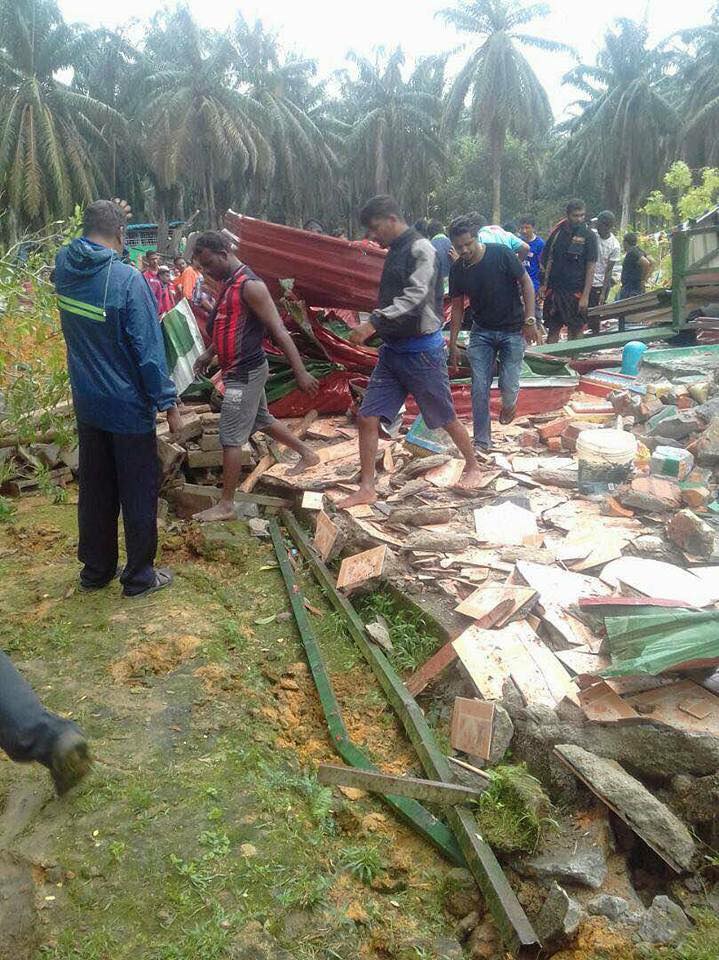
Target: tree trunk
381, 172
497, 137
626, 196
162, 228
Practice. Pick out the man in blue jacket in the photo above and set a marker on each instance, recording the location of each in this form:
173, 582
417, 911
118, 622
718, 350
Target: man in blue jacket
118, 374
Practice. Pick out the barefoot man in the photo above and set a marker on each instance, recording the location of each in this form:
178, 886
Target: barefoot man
412, 358
244, 314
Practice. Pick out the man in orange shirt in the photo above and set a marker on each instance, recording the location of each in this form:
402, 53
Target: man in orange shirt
186, 278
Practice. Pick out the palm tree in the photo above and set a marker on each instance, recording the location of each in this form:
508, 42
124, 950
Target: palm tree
698, 82
504, 93
290, 101
198, 127
53, 143
390, 126
626, 125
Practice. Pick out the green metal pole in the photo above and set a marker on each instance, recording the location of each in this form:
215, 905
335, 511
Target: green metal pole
410, 810
513, 923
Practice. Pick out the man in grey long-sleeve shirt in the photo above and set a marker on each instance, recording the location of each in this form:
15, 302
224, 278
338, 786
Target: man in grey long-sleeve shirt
412, 359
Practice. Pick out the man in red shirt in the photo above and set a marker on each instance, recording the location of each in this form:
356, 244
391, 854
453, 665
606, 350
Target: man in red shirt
152, 264
168, 295
244, 314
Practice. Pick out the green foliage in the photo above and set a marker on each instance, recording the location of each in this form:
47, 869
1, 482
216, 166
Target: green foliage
409, 632
363, 862
514, 811
690, 199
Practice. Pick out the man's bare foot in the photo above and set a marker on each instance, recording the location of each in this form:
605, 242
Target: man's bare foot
221, 511
363, 495
305, 463
471, 474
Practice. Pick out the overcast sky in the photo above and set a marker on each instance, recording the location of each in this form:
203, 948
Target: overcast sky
327, 29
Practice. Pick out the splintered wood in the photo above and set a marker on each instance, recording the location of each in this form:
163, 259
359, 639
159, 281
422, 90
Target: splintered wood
326, 534
361, 567
446, 475
495, 606
492, 657
472, 727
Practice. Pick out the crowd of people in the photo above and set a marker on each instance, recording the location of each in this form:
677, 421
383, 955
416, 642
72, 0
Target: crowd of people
497, 279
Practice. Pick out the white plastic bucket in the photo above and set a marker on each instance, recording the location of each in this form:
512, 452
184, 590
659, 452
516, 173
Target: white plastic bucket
605, 458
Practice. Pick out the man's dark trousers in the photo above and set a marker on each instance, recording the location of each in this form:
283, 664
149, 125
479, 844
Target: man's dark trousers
27, 730
117, 470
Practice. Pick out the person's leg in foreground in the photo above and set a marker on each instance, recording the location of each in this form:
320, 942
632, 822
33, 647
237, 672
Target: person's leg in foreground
29, 732
98, 508
511, 354
482, 353
244, 412
139, 482
396, 375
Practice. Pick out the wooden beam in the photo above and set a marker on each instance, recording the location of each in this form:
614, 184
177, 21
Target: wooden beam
264, 464
430, 791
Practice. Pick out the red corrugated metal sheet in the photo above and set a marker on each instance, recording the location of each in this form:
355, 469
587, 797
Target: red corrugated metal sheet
328, 272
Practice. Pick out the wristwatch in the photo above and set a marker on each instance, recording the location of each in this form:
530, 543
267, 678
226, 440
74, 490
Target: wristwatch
530, 321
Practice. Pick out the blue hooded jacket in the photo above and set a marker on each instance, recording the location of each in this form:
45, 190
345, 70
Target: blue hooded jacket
115, 350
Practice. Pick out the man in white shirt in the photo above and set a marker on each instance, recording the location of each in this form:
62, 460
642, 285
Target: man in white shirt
610, 253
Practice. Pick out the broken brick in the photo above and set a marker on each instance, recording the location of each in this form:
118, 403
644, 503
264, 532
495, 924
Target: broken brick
691, 534
553, 429
611, 507
528, 438
676, 424
695, 495
554, 444
685, 403
706, 448
573, 429
652, 494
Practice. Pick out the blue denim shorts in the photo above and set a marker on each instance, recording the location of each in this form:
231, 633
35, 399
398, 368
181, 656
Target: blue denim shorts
424, 375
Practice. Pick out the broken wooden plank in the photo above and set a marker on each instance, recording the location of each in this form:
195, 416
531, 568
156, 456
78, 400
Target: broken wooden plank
326, 533
651, 820
312, 500
685, 705
472, 726
599, 702
431, 668
361, 567
495, 606
377, 534
430, 791
263, 465
446, 475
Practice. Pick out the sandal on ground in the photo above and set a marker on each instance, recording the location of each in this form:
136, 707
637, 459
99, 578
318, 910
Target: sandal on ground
163, 578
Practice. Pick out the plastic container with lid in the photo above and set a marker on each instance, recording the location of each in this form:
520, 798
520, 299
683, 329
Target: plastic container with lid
605, 459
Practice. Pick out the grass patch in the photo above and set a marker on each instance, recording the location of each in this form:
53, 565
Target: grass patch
412, 638
514, 812
701, 944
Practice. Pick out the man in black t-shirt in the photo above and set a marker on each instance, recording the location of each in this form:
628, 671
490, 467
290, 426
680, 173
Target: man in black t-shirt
568, 261
635, 269
501, 303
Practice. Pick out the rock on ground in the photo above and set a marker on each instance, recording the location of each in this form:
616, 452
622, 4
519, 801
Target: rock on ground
616, 909
691, 534
559, 918
664, 922
648, 748
651, 820
585, 865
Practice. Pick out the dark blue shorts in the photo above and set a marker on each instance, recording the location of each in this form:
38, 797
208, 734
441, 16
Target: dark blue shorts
424, 375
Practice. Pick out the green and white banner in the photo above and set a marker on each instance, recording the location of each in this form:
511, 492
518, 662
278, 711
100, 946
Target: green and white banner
183, 344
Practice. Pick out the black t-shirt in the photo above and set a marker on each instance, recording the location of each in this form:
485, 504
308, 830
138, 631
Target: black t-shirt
632, 269
493, 288
567, 253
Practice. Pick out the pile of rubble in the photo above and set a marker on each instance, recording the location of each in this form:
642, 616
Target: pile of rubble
581, 632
